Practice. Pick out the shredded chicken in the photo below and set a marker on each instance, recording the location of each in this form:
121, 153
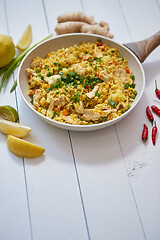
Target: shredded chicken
79, 107
31, 72
90, 114
104, 76
97, 52
37, 97
79, 69
69, 120
36, 63
121, 74
56, 102
92, 93
52, 80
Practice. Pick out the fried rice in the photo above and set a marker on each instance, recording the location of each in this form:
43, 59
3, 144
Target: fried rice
89, 83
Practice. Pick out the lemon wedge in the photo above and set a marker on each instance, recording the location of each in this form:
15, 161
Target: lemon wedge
15, 129
23, 148
25, 39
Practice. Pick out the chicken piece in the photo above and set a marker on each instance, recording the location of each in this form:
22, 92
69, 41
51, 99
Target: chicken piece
31, 72
106, 112
104, 76
97, 52
50, 109
92, 93
69, 120
79, 107
52, 80
121, 74
89, 114
37, 97
79, 69
36, 63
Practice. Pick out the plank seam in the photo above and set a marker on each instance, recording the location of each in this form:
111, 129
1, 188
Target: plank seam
45, 14
13, 75
29, 212
125, 21
79, 185
134, 198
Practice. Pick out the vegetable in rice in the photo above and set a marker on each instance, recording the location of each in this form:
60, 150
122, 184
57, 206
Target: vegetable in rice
89, 83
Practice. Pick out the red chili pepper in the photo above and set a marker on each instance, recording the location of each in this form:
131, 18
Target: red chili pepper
145, 133
154, 132
149, 114
156, 110
157, 91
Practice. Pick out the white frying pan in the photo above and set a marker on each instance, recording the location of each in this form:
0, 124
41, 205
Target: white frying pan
135, 53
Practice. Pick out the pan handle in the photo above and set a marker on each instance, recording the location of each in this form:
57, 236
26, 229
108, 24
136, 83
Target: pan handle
143, 48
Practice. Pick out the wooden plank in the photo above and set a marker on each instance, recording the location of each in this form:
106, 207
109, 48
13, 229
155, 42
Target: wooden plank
106, 191
14, 220
142, 160
55, 205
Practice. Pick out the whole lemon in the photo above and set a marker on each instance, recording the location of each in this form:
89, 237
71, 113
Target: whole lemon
7, 50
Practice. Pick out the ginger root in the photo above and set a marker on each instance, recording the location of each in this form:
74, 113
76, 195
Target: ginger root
96, 29
76, 22
77, 17
68, 27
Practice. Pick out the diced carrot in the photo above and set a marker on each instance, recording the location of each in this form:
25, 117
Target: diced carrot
127, 70
114, 63
97, 75
57, 109
34, 90
99, 44
65, 112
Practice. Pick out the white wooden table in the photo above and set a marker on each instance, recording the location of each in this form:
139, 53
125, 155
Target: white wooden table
100, 185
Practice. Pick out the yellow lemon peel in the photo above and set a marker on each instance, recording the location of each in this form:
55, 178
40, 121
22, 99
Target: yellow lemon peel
23, 148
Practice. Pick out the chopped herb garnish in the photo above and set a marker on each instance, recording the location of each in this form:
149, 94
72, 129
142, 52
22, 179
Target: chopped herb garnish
99, 39
95, 68
31, 101
54, 114
49, 74
133, 85
59, 67
98, 59
104, 119
40, 75
133, 77
112, 103
122, 111
97, 94
86, 52
55, 63
135, 92
126, 85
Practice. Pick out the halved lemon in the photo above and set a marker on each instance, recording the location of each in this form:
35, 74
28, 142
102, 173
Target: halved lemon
8, 113
23, 148
15, 129
25, 39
